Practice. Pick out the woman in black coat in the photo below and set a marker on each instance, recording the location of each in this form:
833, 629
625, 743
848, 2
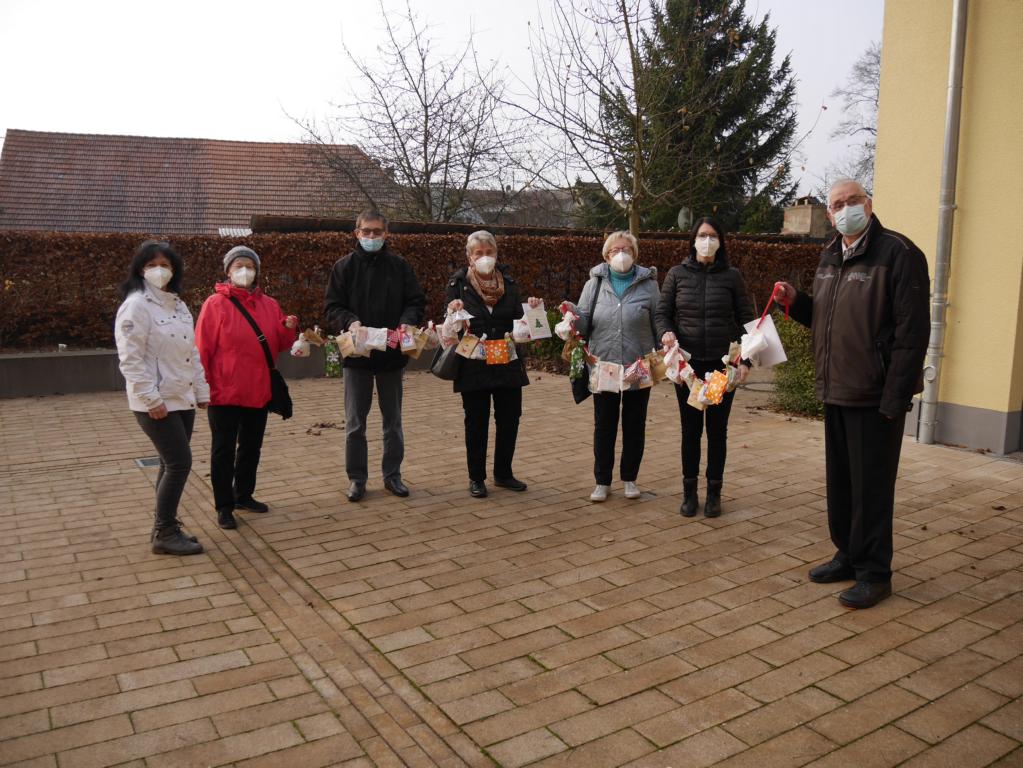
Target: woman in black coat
491, 296
703, 307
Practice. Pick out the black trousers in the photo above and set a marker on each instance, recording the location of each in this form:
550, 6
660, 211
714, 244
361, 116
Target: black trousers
606, 407
507, 412
234, 458
693, 420
862, 450
171, 438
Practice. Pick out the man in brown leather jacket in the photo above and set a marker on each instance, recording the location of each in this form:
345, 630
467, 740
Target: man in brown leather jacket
870, 323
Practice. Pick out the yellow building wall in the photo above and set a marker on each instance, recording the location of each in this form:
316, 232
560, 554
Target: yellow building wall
983, 364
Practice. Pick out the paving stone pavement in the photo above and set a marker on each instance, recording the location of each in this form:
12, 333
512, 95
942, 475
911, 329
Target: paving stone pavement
521, 629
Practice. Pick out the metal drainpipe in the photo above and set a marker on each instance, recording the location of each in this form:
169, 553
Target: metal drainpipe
946, 215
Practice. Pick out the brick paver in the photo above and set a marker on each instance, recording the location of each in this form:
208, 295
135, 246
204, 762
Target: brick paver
523, 629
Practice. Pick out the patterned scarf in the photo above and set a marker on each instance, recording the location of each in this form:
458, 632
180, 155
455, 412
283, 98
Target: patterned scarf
491, 288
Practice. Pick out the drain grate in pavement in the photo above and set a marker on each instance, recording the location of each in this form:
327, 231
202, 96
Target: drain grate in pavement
148, 461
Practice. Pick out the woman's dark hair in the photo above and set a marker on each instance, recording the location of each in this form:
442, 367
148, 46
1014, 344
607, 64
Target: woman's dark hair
722, 253
145, 253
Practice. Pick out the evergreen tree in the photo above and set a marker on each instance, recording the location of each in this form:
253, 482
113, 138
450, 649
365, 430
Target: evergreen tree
727, 114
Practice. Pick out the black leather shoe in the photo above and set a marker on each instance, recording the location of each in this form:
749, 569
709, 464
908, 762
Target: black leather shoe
225, 519
477, 489
396, 486
251, 505
865, 594
829, 573
510, 483
356, 490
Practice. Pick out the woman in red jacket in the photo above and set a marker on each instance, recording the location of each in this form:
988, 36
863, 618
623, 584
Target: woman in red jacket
239, 379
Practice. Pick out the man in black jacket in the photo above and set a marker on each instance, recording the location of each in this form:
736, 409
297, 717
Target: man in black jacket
870, 323
376, 288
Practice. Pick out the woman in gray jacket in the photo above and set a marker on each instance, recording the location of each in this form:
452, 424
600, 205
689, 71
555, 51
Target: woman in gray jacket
620, 330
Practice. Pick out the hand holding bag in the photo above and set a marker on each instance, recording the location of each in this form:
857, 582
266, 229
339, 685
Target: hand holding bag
280, 398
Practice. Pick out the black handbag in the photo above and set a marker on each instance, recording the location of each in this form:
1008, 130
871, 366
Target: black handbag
446, 363
581, 385
280, 398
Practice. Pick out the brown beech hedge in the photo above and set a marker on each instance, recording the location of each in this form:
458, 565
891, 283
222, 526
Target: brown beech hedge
62, 287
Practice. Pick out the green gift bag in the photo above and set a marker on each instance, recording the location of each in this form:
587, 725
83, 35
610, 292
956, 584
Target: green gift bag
332, 359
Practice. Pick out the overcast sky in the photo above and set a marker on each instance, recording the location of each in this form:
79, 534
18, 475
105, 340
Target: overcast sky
225, 69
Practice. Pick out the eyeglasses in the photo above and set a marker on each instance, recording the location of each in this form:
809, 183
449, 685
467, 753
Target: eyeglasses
838, 205
372, 232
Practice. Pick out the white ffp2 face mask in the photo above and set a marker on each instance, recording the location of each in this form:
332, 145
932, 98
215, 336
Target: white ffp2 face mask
157, 277
707, 247
243, 277
485, 264
621, 262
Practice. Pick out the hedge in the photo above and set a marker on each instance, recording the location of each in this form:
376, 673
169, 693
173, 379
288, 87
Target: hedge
62, 287
795, 386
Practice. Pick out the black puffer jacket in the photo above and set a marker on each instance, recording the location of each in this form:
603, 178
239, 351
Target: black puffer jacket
705, 306
475, 375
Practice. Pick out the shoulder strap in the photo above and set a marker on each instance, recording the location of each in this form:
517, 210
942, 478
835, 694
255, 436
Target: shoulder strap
255, 327
593, 302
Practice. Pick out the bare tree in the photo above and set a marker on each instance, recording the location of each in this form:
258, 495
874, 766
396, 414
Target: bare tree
859, 97
655, 104
432, 122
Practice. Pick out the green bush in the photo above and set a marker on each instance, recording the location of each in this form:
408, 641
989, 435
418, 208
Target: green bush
794, 381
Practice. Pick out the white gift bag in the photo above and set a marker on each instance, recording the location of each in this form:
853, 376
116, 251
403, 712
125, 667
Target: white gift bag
300, 348
773, 351
520, 331
565, 328
539, 327
609, 376
376, 338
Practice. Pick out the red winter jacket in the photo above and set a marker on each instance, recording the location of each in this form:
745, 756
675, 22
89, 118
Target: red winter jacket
231, 354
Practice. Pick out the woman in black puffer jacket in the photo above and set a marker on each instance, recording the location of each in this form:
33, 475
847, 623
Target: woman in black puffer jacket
488, 293
703, 307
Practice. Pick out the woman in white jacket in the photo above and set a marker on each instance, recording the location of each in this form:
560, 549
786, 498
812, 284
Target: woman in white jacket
164, 377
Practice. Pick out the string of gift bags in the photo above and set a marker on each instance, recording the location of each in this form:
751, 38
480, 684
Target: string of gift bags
760, 345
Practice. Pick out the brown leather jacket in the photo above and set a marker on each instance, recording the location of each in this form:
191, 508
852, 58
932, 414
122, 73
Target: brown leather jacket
870, 320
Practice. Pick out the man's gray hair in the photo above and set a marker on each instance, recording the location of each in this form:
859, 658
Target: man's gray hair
837, 182
625, 235
479, 237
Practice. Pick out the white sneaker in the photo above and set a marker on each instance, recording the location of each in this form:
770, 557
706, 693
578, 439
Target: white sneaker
631, 491
600, 493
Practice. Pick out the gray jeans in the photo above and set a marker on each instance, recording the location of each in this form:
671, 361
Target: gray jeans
358, 399
171, 437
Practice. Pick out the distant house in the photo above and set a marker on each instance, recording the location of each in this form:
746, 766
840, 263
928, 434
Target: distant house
95, 183
524, 208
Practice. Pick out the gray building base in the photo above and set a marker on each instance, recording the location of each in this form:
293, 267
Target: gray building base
977, 428
34, 374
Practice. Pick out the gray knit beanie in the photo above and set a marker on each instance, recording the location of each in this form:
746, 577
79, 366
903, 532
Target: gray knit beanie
238, 252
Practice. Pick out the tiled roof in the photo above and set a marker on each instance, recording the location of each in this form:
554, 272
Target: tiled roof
88, 183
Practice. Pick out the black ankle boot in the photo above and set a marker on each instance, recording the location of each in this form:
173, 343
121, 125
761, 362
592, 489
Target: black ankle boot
690, 503
169, 540
712, 507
